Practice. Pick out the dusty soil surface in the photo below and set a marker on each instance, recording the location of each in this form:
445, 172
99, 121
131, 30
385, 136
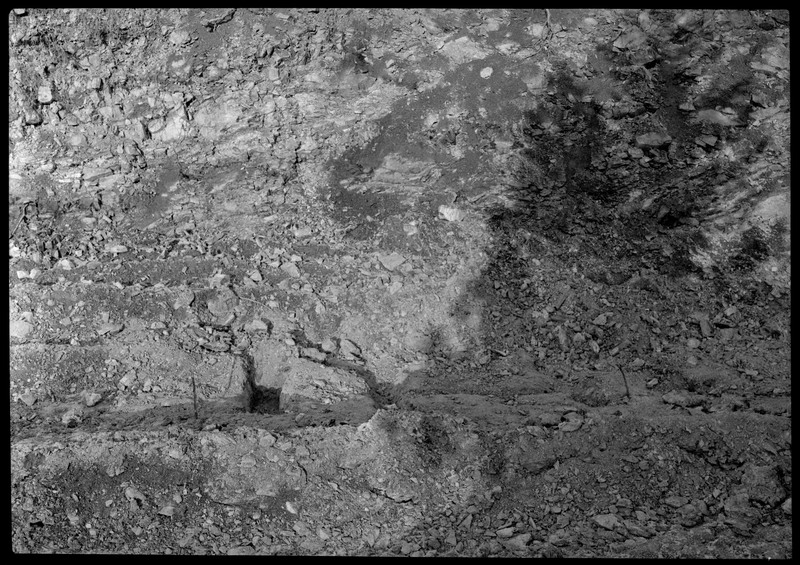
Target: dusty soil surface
400, 282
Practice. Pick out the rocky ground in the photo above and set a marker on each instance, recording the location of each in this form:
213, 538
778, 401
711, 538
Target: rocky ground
400, 282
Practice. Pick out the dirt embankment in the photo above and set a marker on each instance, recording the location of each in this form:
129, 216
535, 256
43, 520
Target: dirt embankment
400, 282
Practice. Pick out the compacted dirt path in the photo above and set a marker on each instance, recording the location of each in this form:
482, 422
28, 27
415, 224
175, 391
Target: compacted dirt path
400, 282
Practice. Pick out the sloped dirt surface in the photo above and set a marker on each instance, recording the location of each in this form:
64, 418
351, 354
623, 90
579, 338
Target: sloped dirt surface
400, 282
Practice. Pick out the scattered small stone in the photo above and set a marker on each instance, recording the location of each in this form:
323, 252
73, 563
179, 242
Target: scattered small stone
313, 354
607, 521
653, 139
290, 269
168, 510
328, 345
115, 248
505, 532
256, 325
132, 493
20, 329
72, 417
127, 380
179, 37
486, 72
348, 349
45, 94
110, 328
184, 299
28, 398
392, 261
573, 423
92, 399
451, 213
302, 529
682, 398
519, 541
676, 501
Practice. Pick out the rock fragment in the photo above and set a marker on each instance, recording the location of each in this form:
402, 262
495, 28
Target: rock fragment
391, 261
72, 417
20, 329
652, 140
349, 350
92, 398
607, 521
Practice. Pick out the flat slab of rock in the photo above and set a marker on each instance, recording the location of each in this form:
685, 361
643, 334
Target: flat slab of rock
309, 385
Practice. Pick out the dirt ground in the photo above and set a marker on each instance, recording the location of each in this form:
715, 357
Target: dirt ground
422, 282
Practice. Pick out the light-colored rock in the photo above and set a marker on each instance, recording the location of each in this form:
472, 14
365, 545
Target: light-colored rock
309, 385
179, 37
20, 329
451, 213
682, 398
175, 127
653, 139
573, 423
348, 349
520, 541
505, 532
92, 399
72, 417
214, 117
462, 50
763, 484
716, 117
28, 398
45, 94
391, 261
290, 269
256, 325
127, 380
223, 303
607, 521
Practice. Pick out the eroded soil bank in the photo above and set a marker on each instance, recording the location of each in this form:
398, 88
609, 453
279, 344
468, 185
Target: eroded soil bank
400, 282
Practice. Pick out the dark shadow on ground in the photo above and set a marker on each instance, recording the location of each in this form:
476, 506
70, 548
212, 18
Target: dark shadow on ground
593, 197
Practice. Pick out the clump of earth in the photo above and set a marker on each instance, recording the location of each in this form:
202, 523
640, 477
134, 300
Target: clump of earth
413, 282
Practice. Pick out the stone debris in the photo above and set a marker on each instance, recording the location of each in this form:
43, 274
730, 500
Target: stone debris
20, 329
72, 417
309, 384
607, 521
392, 261
92, 398
451, 213
558, 243
349, 350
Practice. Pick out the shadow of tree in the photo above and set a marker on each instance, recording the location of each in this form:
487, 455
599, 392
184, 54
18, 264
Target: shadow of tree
595, 206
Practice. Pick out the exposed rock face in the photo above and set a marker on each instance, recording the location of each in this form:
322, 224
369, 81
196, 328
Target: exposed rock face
400, 282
